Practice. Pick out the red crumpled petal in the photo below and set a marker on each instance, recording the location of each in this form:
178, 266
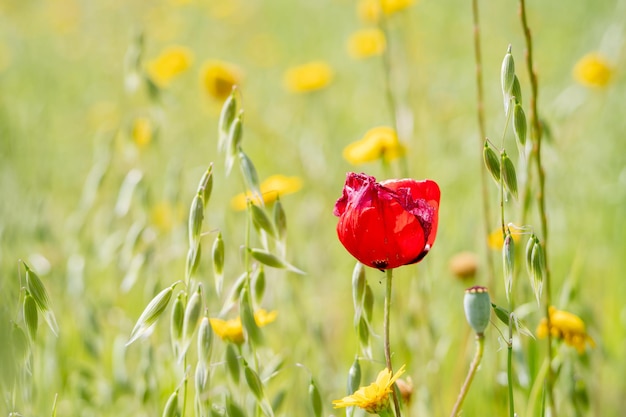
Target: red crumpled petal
390, 224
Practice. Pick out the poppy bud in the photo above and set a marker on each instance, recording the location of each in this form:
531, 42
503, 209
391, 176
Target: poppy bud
477, 308
389, 224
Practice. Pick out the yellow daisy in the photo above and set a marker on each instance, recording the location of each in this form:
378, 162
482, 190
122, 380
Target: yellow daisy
365, 43
593, 70
232, 330
170, 63
219, 77
379, 142
308, 77
568, 327
271, 188
375, 397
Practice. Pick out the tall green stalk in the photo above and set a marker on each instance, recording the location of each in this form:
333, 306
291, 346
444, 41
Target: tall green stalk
535, 157
386, 331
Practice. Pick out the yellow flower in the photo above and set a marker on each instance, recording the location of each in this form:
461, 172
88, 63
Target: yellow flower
308, 77
142, 131
379, 142
593, 70
165, 216
369, 10
271, 188
219, 77
170, 63
495, 239
232, 330
366, 43
566, 326
374, 398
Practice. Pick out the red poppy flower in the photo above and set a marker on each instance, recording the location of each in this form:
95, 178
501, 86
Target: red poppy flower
389, 224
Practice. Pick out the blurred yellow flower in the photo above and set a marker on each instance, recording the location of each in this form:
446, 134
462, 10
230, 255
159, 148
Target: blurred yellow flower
593, 70
566, 326
495, 239
379, 142
308, 77
171, 62
374, 398
365, 43
369, 10
219, 77
142, 131
164, 216
271, 188
232, 330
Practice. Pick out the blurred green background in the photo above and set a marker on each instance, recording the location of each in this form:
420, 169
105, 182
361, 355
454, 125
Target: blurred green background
65, 113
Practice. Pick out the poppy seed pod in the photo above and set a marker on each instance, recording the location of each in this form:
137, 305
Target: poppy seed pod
477, 308
389, 224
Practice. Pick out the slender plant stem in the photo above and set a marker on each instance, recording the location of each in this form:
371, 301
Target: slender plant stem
386, 330
480, 113
536, 388
509, 367
391, 101
536, 135
480, 347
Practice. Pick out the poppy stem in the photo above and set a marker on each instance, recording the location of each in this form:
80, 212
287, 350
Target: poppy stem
480, 348
387, 346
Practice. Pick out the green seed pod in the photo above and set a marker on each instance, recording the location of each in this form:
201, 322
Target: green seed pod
354, 377
261, 220
250, 176
176, 322
233, 142
227, 116
516, 91
194, 255
280, 220
315, 398
477, 308
205, 187
519, 125
205, 341
508, 174
491, 162
218, 262
368, 302
196, 216
252, 330
253, 381
274, 261
232, 362
529, 251
507, 73
36, 289
358, 286
364, 332
151, 313
190, 321
259, 284
201, 378
508, 262
171, 406
31, 317
538, 268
